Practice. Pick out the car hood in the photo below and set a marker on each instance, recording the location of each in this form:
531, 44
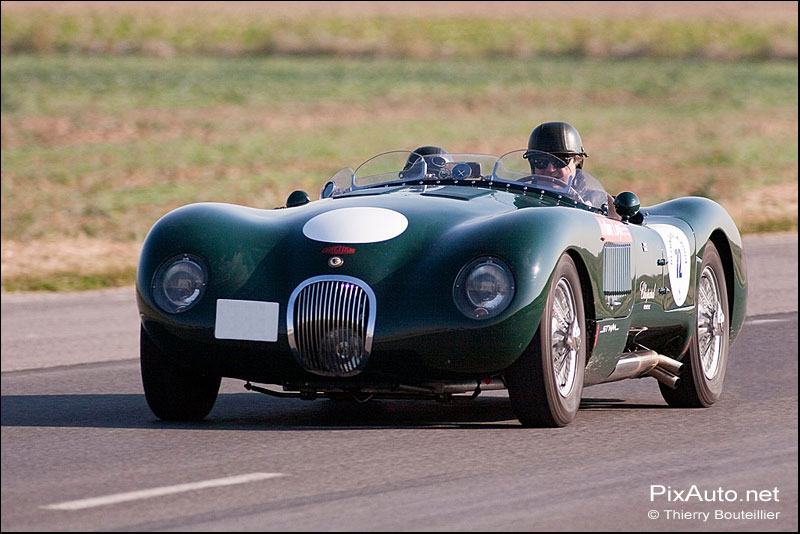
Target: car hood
379, 214
407, 242
390, 237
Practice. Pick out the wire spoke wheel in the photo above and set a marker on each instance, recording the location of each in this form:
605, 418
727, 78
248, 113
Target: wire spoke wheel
565, 336
546, 382
702, 377
710, 322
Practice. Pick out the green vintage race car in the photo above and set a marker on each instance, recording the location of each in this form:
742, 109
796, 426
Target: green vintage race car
429, 276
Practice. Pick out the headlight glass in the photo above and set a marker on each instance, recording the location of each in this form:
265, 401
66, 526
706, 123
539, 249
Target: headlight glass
179, 283
484, 288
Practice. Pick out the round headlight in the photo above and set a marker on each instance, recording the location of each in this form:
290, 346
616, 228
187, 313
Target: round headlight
179, 283
484, 288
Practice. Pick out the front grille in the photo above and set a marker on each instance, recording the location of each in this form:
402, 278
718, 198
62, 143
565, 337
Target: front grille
616, 269
330, 322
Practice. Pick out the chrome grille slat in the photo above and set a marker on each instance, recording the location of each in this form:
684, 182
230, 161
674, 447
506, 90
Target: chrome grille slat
616, 269
330, 323
309, 324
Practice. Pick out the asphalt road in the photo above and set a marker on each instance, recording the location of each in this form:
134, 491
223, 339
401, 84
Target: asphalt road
81, 450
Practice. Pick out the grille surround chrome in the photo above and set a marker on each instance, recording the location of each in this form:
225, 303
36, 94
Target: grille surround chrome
326, 313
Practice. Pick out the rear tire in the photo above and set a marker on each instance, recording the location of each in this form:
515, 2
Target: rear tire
702, 377
545, 383
174, 393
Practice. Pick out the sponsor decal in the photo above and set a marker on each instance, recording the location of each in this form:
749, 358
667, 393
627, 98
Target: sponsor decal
646, 307
339, 250
645, 293
678, 252
609, 328
613, 231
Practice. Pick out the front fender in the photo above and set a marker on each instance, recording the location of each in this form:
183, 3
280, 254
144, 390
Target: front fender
531, 241
234, 241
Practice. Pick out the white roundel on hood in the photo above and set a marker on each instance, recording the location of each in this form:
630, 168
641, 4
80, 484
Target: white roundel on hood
356, 225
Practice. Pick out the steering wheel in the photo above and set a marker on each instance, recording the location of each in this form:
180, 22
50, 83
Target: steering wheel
548, 182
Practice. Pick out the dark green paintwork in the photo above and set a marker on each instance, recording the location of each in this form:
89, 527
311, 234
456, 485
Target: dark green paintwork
263, 255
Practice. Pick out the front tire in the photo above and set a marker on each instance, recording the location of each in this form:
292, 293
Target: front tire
545, 383
702, 378
174, 393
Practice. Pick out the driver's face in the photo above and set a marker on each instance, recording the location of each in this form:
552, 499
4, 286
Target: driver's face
553, 171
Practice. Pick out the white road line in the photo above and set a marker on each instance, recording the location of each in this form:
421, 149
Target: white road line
764, 321
158, 492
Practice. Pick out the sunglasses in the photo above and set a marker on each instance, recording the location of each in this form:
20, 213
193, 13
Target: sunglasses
541, 162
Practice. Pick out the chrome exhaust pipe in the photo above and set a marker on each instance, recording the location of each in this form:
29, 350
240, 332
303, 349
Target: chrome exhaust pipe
469, 386
642, 363
665, 377
449, 388
668, 364
633, 364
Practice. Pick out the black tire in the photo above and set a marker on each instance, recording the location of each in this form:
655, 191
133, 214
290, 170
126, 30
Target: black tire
703, 375
538, 397
174, 393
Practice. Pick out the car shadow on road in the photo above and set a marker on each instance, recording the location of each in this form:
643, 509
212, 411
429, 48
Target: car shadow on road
251, 411
618, 404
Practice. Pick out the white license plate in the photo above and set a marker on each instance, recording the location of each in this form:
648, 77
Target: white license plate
249, 320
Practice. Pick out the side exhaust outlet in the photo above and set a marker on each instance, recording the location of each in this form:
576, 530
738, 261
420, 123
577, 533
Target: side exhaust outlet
642, 363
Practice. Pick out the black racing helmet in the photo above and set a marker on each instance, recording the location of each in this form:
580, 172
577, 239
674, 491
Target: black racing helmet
557, 138
424, 151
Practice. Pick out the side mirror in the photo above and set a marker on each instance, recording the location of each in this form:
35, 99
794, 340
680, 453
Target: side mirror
627, 205
297, 198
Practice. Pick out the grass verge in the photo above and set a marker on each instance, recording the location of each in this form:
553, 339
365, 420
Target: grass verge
261, 33
98, 148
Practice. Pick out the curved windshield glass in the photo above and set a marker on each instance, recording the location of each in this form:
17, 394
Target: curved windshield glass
338, 184
548, 172
404, 166
539, 170
389, 167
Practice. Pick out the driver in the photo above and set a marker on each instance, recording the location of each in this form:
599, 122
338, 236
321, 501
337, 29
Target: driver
562, 159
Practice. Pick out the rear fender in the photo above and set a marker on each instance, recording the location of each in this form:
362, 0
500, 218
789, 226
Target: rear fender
710, 222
